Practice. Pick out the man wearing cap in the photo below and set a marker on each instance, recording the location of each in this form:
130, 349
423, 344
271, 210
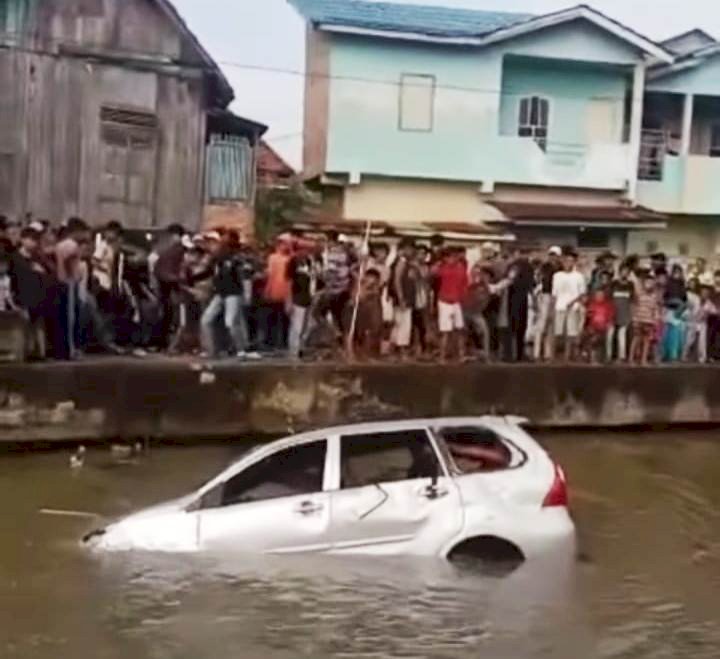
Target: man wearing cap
603, 271
543, 346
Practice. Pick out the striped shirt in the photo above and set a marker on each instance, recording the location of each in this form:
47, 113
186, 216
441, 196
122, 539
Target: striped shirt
646, 308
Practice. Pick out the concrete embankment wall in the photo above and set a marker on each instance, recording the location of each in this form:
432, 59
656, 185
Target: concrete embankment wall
123, 398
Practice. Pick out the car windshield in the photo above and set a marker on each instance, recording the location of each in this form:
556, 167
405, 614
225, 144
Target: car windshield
236, 458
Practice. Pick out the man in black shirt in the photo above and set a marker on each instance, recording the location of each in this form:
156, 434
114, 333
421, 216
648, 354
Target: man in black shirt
544, 333
28, 278
518, 304
303, 272
232, 273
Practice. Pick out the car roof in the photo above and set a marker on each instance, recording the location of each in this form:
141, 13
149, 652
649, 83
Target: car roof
489, 421
406, 424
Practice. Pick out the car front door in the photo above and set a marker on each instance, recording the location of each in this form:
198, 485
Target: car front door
392, 494
276, 505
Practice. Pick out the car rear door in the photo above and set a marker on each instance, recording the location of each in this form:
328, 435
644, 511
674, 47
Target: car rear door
277, 504
392, 494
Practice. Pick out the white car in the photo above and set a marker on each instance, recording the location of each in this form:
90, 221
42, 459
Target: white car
431, 487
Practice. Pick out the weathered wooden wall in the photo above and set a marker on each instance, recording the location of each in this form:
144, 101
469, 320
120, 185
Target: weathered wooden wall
77, 57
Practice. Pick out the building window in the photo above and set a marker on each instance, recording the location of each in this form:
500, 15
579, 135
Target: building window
593, 239
533, 119
386, 458
684, 249
651, 246
230, 169
417, 102
653, 147
715, 141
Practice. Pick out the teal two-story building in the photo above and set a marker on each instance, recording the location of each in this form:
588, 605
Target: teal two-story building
484, 124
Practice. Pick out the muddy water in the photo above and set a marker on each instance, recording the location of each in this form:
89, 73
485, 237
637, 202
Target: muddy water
647, 584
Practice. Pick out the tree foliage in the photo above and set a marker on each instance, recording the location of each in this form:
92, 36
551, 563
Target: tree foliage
278, 209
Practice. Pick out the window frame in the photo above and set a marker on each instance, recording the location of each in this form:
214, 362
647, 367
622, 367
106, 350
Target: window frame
714, 147
336, 449
542, 142
401, 104
255, 457
519, 455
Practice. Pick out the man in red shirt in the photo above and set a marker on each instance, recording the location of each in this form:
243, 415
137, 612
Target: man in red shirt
452, 285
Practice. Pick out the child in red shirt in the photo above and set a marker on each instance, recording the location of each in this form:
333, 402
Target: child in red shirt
599, 320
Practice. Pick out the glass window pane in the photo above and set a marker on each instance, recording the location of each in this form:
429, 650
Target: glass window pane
524, 112
544, 111
386, 457
534, 110
292, 472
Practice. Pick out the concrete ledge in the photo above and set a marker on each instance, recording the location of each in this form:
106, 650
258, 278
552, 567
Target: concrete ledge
176, 399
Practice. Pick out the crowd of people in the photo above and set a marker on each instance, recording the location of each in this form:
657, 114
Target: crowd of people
80, 291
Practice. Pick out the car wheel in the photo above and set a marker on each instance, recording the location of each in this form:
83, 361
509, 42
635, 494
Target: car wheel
490, 553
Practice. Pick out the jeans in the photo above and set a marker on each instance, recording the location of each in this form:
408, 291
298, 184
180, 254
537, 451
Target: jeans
274, 325
479, 326
232, 309
619, 331
298, 316
544, 327
696, 335
65, 338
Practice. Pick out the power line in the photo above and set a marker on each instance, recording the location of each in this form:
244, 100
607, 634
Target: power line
297, 72
400, 83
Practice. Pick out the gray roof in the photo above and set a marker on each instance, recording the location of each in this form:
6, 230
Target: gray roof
421, 19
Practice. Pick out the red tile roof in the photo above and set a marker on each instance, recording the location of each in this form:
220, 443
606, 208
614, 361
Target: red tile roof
271, 165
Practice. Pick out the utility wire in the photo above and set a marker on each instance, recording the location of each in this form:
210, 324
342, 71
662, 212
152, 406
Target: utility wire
293, 72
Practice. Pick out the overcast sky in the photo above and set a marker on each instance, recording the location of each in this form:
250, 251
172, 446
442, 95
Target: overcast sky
268, 33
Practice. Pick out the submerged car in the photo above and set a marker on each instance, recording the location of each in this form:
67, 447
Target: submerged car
433, 487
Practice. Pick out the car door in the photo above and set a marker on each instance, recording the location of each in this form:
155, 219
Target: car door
392, 494
276, 504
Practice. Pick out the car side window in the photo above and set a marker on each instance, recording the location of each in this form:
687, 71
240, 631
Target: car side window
386, 457
476, 449
291, 472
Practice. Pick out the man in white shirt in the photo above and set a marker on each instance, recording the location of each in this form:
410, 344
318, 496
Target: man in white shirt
568, 288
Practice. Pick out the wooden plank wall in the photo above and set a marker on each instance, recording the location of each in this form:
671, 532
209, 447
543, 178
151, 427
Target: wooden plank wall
50, 147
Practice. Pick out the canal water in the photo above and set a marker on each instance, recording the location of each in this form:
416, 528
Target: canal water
646, 583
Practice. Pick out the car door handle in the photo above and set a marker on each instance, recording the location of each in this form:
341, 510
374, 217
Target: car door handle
434, 492
309, 508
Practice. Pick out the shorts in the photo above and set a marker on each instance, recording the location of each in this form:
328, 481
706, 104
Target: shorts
402, 329
645, 330
388, 310
450, 317
568, 322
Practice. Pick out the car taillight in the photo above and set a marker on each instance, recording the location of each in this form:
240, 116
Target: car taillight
558, 494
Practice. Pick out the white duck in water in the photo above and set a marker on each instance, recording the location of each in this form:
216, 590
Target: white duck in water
125, 451
77, 459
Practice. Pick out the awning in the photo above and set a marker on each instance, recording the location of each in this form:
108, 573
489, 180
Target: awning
603, 217
469, 232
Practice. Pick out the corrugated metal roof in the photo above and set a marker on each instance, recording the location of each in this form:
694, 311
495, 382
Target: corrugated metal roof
542, 213
421, 19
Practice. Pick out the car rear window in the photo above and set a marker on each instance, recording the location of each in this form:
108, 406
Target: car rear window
477, 449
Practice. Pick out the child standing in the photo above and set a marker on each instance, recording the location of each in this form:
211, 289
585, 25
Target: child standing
623, 292
369, 322
646, 315
600, 319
